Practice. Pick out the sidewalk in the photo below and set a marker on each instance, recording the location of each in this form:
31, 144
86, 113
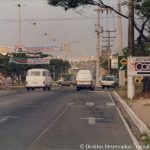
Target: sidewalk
137, 111
141, 107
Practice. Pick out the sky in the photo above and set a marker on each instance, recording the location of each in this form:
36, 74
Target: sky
53, 26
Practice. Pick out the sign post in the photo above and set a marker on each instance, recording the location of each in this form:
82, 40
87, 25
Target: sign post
122, 66
130, 87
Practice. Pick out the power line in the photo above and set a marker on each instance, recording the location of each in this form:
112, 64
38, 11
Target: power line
51, 19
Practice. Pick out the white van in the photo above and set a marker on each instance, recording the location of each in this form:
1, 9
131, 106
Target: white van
38, 78
84, 79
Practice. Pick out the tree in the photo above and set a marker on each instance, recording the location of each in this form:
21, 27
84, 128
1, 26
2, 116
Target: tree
71, 4
58, 68
142, 10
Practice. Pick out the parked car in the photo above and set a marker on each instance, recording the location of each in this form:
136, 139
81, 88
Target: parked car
108, 81
69, 81
38, 78
85, 79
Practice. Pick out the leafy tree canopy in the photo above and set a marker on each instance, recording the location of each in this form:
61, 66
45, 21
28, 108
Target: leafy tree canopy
141, 9
70, 4
57, 67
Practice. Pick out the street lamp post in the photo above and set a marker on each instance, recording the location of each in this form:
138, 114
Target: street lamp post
34, 41
46, 39
19, 21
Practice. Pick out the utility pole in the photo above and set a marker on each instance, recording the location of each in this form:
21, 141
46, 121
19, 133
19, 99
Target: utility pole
98, 52
120, 43
108, 46
131, 28
130, 52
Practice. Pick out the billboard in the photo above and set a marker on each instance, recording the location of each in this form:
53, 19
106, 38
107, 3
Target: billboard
18, 60
139, 66
32, 55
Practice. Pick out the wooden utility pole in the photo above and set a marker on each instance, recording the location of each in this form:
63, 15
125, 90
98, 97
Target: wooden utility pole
98, 46
130, 52
98, 50
131, 28
120, 43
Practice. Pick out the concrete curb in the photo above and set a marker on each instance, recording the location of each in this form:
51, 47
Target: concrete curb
11, 87
137, 121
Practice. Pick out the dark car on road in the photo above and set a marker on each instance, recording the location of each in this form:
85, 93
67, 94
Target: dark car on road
69, 81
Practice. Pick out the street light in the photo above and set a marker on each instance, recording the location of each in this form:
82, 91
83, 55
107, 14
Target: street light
46, 39
34, 41
20, 38
19, 23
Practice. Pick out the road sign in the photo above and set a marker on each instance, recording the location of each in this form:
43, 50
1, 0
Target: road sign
139, 66
122, 62
114, 62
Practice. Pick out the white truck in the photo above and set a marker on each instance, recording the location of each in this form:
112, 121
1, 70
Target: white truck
38, 78
85, 79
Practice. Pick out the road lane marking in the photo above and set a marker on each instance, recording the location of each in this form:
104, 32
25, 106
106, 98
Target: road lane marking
28, 106
5, 118
111, 104
90, 104
78, 106
70, 104
91, 120
135, 141
112, 100
49, 126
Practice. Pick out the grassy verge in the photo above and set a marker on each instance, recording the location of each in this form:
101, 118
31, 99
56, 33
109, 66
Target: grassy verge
122, 91
145, 139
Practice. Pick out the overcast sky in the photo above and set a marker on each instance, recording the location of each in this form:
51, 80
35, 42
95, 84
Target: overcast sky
63, 26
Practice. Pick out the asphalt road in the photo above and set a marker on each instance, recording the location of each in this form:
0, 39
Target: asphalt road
61, 119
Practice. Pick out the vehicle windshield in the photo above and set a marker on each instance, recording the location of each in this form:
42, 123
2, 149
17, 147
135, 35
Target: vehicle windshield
105, 78
84, 76
110, 79
35, 73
